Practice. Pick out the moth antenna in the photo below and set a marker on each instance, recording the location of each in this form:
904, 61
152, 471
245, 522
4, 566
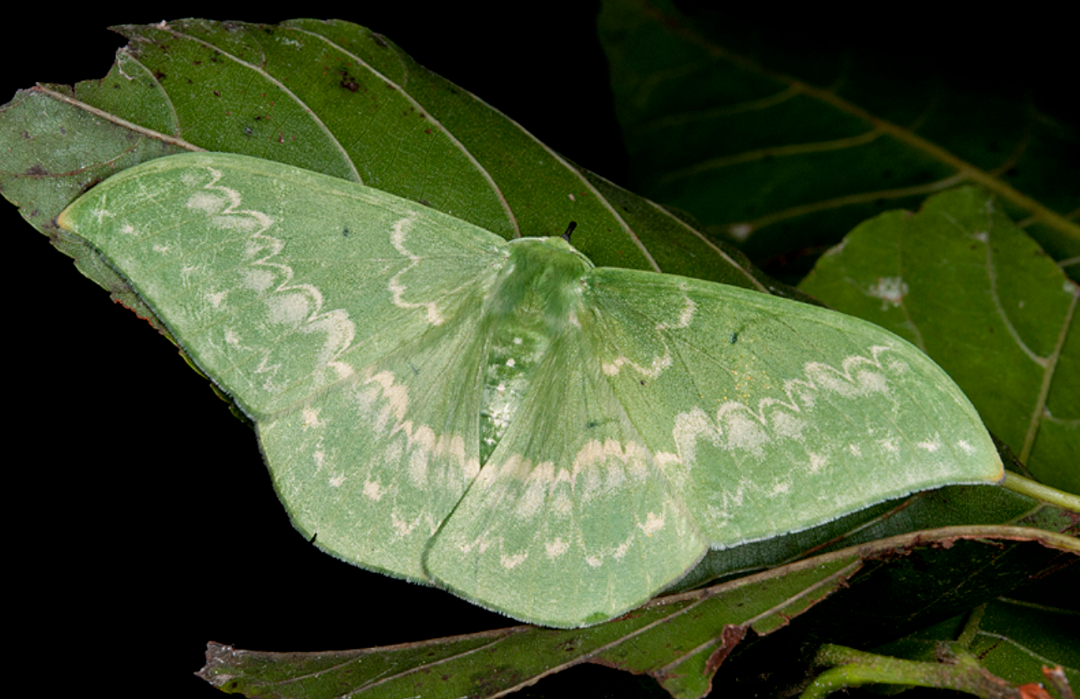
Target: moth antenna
569, 230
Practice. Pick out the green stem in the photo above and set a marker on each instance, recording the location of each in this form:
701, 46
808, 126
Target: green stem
853, 668
1066, 501
971, 627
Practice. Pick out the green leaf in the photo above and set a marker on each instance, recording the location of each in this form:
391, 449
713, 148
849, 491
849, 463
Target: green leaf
1012, 638
680, 640
973, 291
339, 99
554, 441
737, 126
1015, 639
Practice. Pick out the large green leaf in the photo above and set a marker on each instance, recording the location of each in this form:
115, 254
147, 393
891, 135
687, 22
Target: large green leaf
736, 125
679, 640
338, 99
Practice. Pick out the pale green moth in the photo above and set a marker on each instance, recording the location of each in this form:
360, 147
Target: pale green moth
548, 439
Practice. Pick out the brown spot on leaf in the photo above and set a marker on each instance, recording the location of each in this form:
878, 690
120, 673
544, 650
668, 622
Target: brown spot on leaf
729, 638
348, 81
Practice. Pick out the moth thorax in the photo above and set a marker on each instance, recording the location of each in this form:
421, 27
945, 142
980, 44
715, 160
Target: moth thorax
543, 279
532, 304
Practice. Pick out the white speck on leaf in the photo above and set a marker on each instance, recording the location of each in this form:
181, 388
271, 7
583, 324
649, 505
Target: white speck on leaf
889, 290
740, 231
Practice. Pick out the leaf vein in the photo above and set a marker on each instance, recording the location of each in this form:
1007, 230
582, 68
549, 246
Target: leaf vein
496, 190
279, 85
107, 116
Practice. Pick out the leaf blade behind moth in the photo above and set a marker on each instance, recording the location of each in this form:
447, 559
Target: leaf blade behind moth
424, 390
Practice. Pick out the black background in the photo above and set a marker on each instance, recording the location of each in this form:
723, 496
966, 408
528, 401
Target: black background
142, 519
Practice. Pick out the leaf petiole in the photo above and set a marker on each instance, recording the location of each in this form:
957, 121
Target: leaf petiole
1034, 489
